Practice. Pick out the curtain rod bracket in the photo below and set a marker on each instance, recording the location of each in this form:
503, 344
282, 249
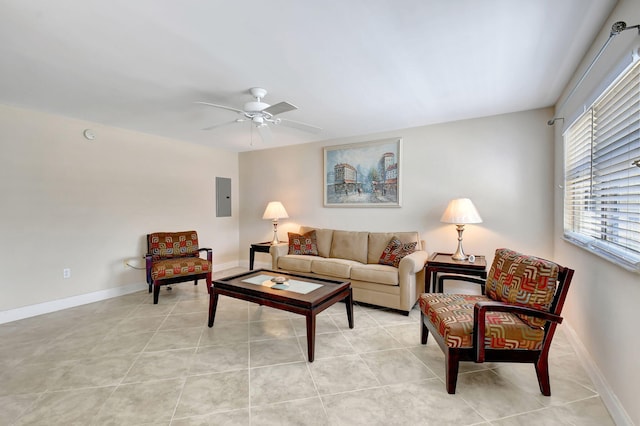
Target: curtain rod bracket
616, 29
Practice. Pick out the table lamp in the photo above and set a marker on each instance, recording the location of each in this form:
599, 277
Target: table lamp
460, 212
274, 211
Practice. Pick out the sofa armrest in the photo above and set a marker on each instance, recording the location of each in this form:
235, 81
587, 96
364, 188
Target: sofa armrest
280, 249
413, 263
411, 278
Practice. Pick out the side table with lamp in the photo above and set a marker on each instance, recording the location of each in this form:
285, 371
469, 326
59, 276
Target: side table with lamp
274, 211
460, 211
444, 263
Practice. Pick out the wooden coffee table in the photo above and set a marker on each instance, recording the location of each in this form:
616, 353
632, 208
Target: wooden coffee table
304, 295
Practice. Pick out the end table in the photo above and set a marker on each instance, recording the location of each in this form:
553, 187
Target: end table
260, 248
442, 262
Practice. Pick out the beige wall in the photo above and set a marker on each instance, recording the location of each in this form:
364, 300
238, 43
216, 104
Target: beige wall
503, 163
602, 305
68, 202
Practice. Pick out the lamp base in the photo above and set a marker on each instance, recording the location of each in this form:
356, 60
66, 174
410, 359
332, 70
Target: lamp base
459, 254
275, 233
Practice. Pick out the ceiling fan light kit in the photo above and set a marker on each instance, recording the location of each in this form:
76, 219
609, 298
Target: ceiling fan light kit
262, 114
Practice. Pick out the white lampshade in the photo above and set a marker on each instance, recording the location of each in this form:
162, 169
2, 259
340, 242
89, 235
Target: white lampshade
275, 210
461, 211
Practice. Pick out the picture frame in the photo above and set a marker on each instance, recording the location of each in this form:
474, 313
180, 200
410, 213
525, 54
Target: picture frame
365, 174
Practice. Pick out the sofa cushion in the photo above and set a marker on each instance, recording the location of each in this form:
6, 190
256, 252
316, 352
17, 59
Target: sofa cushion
303, 244
295, 262
522, 280
332, 267
350, 245
378, 241
395, 251
379, 274
323, 239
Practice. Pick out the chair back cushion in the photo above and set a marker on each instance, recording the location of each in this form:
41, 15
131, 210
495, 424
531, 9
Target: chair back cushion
522, 280
167, 245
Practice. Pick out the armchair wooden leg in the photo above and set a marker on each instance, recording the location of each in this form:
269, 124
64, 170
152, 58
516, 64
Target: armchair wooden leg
150, 287
195, 282
452, 362
156, 293
542, 371
424, 331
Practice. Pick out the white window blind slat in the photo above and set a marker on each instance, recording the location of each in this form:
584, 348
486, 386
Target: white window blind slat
602, 187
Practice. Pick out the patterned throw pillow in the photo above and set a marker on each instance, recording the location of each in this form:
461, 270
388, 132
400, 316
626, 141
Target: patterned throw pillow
395, 251
303, 244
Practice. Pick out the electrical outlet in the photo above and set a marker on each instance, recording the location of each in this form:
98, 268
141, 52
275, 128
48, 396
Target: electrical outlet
66, 273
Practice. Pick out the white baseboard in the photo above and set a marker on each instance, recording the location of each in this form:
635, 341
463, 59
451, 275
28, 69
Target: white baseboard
260, 265
73, 301
225, 266
68, 302
610, 400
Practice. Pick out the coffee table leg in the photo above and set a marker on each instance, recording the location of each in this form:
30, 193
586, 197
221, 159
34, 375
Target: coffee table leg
213, 304
311, 335
349, 303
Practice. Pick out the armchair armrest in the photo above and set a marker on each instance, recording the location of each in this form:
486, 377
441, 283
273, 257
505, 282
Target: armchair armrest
441, 278
147, 262
479, 320
209, 253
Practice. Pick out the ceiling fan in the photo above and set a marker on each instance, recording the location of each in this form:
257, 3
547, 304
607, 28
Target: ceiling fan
262, 115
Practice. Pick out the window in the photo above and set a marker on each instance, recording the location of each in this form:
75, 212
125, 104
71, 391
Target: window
602, 181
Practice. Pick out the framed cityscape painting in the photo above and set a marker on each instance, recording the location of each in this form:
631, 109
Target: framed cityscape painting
363, 174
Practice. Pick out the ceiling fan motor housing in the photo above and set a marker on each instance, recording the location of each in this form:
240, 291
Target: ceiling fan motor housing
255, 106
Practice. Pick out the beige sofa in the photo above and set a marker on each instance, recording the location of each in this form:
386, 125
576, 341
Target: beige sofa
354, 256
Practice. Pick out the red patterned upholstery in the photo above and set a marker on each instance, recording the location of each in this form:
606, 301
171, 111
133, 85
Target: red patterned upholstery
452, 316
303, 244
179, 267
514, 322
522, 280
164, 245
174, 257
395, 251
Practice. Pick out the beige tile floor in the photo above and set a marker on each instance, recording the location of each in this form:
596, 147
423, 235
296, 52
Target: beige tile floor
125, 361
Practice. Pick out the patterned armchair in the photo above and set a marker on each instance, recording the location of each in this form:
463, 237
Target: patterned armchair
514, 322
174, 257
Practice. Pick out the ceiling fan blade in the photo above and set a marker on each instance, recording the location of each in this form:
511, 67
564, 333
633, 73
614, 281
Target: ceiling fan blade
223, 124
299, 125
265, 133
221, 106
279, 108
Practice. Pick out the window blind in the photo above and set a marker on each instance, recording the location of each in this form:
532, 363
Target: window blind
602, 187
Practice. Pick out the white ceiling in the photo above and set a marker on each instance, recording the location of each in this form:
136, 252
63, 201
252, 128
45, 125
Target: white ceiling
352, 67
